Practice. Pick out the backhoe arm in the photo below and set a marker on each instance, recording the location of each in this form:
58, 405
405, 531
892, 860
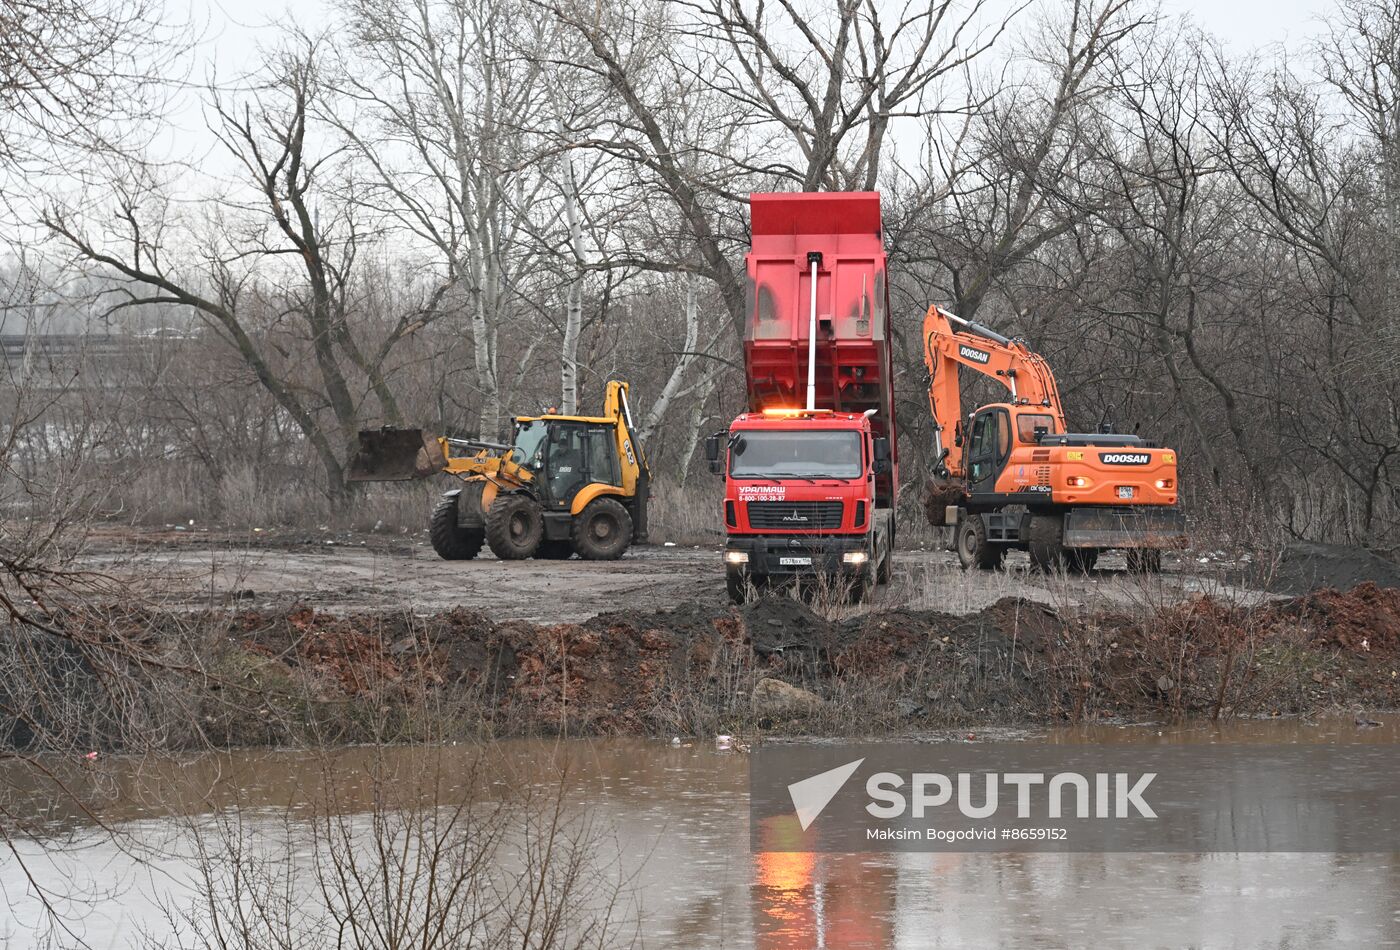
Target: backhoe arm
951, 342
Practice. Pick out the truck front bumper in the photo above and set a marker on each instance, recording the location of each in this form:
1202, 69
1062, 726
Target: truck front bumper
761, 557
1127, 527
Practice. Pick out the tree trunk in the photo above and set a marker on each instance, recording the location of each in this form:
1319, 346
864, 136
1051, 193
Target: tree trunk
673, 382
573, 315
700, 397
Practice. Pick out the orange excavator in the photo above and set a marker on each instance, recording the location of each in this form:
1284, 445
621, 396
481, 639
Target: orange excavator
1011, 475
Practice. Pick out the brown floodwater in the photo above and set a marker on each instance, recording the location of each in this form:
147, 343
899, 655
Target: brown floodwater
674, 819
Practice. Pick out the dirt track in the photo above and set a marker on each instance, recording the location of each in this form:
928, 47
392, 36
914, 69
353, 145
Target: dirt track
369, 573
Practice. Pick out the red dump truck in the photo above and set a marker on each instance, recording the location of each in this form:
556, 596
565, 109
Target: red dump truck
811, 469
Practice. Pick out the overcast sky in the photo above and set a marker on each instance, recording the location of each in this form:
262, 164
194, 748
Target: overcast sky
233, 25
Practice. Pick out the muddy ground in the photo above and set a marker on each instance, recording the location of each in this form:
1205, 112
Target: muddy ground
357, 573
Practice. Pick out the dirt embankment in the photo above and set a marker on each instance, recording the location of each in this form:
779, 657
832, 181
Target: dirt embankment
692, 670
1307, 565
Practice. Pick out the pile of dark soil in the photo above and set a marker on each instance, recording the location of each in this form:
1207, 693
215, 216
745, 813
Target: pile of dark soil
1014, 662
1307, 566
283, 677
784, 627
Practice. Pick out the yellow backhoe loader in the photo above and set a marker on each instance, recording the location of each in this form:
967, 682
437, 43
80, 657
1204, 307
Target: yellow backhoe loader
565, 485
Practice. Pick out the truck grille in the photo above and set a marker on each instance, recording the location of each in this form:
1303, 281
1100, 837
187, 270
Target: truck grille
795, 515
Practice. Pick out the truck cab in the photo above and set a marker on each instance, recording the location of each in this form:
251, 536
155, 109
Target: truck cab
801, 497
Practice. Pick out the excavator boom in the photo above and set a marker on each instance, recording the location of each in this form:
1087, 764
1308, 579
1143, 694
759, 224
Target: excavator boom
951, 342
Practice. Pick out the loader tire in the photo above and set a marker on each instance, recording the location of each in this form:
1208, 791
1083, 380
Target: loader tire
514, 527
451, 541
1144, 560
602, 531
973, 548
555, 550
1047, 543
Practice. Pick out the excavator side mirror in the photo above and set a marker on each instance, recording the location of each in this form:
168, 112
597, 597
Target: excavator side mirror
712, 453
958, 434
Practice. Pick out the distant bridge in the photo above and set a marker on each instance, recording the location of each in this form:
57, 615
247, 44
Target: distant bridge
58, 346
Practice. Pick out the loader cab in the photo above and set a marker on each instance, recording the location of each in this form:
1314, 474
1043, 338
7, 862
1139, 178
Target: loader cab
566, 455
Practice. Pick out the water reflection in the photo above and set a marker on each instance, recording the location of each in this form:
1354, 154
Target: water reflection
803, 900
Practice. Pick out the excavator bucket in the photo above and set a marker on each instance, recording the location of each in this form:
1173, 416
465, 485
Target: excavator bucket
396, 455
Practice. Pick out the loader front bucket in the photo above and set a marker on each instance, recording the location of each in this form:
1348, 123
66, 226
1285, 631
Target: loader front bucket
396, 455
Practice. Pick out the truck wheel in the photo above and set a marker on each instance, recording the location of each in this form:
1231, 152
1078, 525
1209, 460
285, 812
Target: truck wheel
602, 531
973, 547
1046, 543
450, 540
1082, 559
885, 571
862, 586
514, 527
555, 550
1144, 561
737, 586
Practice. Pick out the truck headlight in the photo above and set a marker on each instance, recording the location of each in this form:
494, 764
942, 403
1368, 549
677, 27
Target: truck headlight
736, 557
854, 557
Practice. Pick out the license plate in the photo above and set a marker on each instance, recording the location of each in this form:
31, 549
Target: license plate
1125, 491
795, 561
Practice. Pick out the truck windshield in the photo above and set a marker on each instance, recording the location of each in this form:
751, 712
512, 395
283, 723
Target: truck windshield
809, 454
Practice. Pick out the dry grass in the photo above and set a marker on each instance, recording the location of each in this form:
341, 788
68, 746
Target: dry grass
246, 496
689, 515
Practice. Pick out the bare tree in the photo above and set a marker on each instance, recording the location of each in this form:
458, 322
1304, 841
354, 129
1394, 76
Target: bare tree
992, 197
450, 97
281, 254
757, 113
1322, 184
69, 67
424, 857
831, 95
